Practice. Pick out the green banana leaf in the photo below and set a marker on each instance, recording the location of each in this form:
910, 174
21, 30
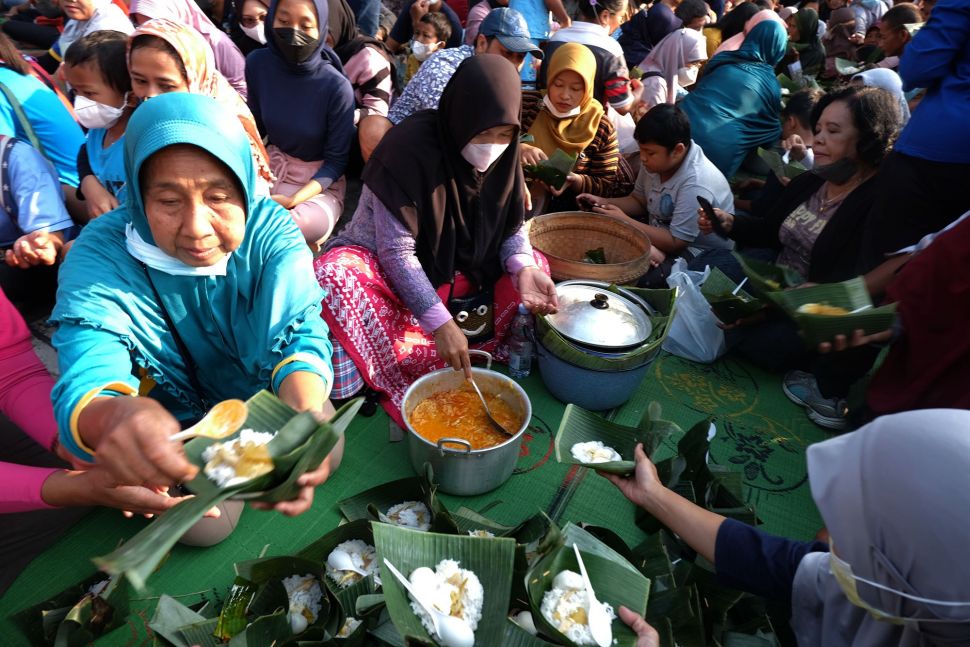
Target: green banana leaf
367, 504
181, 626
552, 171
516, 636
469, 521
76, 615
268, 609
851, 294
728, 307
615, 581
778, 165
579, 425
491, 559
320, 550
663, 301
846, 67
300, 445
766, 278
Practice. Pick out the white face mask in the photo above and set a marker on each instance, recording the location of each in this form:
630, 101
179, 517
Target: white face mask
482, 156
256, 32
687, 76
547, 102
92, 114
155, 258
420, 50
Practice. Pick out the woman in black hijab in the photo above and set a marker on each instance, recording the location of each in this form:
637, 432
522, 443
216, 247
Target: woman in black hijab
436, 257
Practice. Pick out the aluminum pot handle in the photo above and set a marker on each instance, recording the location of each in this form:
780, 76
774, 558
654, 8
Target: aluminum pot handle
482, 353
454, 441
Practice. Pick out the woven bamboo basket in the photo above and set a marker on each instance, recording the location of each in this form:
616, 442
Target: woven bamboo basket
565, 238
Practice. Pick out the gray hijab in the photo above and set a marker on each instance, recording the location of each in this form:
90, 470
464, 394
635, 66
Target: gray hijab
894, 498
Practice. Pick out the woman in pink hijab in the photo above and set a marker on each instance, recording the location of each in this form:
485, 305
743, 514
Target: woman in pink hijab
733, 43
229, 60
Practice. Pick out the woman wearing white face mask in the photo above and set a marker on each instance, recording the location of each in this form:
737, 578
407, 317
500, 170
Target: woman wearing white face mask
247, 25
671, 66
435, 259
897, 574
97, 69
568, 118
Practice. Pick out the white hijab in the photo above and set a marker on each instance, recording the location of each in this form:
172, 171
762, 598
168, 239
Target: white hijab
889, 81
677, 49
894, 499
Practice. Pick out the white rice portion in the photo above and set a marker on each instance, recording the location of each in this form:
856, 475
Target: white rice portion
350, 626
560, 604
363, 556
410, 514
594, 452
480, 533
305, 594
452, 580
225, 475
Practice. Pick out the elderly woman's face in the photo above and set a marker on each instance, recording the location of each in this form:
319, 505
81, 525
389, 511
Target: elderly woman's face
836, 137
194, 206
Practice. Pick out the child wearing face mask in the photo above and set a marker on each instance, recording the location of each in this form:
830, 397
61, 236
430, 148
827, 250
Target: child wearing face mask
430, 34
96, 68
670, 67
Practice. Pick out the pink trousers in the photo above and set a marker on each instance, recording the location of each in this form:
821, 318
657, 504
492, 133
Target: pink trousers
317, 216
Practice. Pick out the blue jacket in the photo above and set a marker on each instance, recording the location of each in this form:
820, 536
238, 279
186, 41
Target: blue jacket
938, 59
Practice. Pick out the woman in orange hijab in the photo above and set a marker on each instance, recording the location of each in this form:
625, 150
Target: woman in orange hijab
568, 118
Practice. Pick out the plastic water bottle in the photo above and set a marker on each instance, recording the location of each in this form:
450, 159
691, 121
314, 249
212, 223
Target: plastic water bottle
520, 344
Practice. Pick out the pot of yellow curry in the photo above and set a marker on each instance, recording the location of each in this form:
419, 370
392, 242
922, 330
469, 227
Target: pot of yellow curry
448, 428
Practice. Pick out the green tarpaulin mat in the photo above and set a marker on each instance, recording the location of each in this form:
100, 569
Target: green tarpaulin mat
760, 433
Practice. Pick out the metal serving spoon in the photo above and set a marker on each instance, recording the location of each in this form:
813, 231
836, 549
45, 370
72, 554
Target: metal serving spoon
488, 412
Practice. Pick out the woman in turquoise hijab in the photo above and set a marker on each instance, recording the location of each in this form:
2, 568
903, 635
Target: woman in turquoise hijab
194, 291
735, 106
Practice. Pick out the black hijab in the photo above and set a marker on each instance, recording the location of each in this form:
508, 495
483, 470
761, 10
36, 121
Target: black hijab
733, 21
458, 216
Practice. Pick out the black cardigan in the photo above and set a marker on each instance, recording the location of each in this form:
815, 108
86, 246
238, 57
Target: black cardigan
837, 252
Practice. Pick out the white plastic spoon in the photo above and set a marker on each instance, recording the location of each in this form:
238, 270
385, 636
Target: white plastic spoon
598, 619
740, 285
342, 561
451, 631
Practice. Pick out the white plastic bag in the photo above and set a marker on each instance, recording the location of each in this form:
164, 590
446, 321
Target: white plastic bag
694, 333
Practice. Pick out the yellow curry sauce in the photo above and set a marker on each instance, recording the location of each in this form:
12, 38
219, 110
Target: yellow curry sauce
459, 413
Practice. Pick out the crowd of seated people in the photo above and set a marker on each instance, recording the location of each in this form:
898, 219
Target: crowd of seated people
177, 184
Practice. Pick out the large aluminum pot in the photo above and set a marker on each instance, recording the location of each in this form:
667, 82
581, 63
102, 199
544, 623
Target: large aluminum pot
458, 468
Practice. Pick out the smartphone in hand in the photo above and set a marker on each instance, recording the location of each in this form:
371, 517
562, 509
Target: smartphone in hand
709, 212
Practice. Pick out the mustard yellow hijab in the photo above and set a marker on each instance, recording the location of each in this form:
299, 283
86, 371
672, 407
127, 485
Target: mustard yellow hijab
570, 134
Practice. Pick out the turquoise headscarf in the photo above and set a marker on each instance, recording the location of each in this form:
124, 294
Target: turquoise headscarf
239, 329
735, 106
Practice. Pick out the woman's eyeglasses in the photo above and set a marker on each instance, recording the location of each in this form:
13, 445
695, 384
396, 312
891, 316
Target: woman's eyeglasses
252, 21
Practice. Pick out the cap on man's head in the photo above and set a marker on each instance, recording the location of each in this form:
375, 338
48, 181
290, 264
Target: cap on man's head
511, 29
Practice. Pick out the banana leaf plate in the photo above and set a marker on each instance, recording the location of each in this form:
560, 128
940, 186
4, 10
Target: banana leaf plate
615, 581
579, 425
766, 278
491, 559
849, 295
372, 503
320, 550
728, 307
79, 614
779, 166
552, 171
300, 445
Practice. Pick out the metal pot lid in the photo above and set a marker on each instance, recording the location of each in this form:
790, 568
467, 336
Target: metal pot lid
596, 317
